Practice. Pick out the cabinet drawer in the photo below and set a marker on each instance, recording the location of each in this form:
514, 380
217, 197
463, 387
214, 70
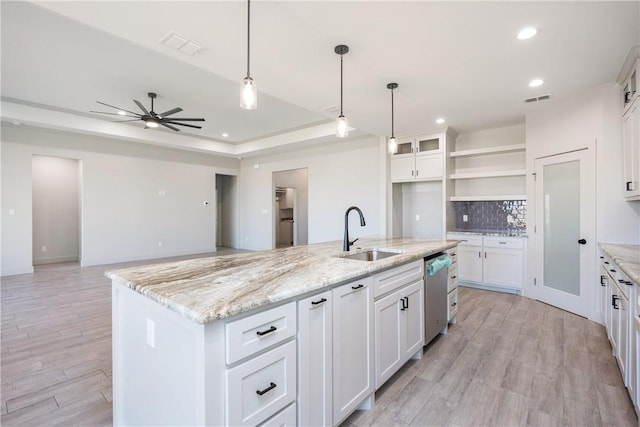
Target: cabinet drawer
466, 239
262, 386
260, 331
452, 306
453, 254
504, 242
286, 418
452, 282
395, 278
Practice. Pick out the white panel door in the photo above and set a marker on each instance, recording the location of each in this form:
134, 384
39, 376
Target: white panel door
503, 267
414, 319
389, 352
402, 169
565, 231
315, 360
470, 263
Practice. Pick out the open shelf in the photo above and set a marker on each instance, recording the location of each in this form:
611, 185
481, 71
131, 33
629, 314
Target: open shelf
494, 174
487, 198
489, 150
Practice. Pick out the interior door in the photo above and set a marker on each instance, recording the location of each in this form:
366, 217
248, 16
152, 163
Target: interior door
565, 230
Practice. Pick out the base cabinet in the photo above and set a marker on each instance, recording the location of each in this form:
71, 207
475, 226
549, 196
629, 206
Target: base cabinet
352, 347
315, 361
399, 329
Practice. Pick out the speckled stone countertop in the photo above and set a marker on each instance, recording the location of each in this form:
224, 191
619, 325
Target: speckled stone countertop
208, 289
627, 257
505, 233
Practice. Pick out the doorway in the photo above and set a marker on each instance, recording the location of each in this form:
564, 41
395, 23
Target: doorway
56, 210
565, 231
227, 211
290, 219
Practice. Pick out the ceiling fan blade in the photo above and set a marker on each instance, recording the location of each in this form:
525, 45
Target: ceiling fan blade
170, 112
117, 108
123, 121
113, 114
170, 127
140, 106
186, 119
183, 124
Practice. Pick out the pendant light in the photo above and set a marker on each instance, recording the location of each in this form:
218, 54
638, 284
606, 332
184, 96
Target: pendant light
248, 90
343, 127
393, 146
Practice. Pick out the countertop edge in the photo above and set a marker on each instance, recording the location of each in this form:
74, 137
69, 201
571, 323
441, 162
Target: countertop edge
631, 267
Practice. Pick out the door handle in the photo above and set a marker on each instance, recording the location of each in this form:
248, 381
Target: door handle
582, 241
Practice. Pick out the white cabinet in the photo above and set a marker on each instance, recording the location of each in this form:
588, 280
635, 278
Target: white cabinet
418, 158
353, 337
315, 350
452, 286
635, 355
604, 296
493, 261
399, 329
631, 151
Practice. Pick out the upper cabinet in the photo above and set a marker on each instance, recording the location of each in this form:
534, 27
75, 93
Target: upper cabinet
489, 165
419, 158
629, 78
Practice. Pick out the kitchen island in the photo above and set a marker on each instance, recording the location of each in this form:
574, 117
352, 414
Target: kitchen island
199, 342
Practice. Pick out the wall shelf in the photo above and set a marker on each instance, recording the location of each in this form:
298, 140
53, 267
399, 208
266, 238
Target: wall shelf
487, 198
489, 150
494, 174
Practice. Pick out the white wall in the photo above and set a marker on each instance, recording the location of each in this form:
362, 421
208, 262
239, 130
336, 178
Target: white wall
341, 174
228, 188
298, 179
591, 120
124, 217
56, 210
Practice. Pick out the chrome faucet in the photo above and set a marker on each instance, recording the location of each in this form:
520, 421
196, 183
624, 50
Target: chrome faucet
346, 243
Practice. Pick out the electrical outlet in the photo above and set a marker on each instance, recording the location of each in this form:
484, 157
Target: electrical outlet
12, 211
151, 333
465, 218
417, 217
43, 249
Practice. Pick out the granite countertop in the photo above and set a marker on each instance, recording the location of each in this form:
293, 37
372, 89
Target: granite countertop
627, 257
503, 233
212, 288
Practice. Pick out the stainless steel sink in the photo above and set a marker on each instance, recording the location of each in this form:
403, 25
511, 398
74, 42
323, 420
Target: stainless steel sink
373, 254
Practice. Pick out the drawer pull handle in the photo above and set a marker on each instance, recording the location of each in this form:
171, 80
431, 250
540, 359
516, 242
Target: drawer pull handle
614, 301
602, 280
502, 243
319, 302
613, 271
628, 282
453, 304
360, 286
606, 262
271, 387
268, 331
453, 277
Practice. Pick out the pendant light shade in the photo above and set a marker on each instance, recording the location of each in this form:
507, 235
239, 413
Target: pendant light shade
342, 129
248, 89
393, 145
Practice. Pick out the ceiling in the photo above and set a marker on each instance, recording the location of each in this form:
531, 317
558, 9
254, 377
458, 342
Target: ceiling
457, 60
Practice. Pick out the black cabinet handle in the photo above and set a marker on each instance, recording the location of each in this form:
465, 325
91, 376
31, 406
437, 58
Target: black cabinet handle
627, 97
403, 307
360, 286
479, 256
271, 387
602, 280
606, 262
582, 241
453, 304
613, 271
628, 185
268, 331
614, 301
453, 277
320, 301
407, 300
601, 257
628, 282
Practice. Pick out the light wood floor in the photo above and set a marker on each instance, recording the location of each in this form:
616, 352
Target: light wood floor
508, 361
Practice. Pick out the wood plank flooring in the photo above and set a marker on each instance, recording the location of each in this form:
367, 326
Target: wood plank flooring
509, 361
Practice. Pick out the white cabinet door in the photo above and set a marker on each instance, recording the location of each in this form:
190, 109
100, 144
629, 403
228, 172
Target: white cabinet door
402, 169
414, 319
615, 319
631, 151
635, 358
315, 349
429, 166
623, 337
388, 336
503, 267
605, 302
470, 263
353, 368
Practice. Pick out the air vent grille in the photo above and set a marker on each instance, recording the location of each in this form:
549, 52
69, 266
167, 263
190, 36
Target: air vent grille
181, 44
538, 98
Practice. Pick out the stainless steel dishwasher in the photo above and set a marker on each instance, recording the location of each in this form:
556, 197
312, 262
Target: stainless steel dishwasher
435, 296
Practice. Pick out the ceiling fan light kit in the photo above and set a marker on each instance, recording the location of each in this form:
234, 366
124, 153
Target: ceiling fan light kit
248, 89
342, 130
152, 119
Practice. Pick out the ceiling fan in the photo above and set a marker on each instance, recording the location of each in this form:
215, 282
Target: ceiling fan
150, 118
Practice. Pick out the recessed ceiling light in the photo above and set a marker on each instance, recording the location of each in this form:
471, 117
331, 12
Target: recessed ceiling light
440, 121
17, 123
122, 113
536, 82
527, 33
224, 134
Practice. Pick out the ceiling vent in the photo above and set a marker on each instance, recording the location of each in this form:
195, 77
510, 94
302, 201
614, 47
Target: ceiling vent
538, 98
181, 44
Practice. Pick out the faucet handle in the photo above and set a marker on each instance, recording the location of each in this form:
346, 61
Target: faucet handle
351, 242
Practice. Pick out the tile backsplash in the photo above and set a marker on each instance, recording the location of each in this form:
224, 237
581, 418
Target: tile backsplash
498, 215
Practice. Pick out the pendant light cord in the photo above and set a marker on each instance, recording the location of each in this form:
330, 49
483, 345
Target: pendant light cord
341, 85
392, 132
248, 34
